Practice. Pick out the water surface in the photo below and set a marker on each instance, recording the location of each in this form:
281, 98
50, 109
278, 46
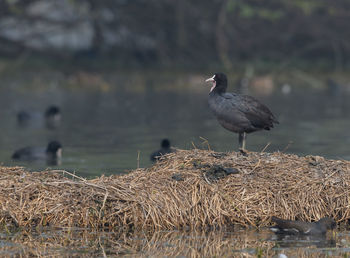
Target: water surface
237, 243
107, 124
104, 129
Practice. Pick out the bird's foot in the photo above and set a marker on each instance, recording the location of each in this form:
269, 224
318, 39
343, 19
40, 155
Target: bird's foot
244, 152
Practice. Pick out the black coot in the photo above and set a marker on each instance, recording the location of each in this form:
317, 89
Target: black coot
51, 154
52, 117
165, 148
237, 113
26, 118
301, 227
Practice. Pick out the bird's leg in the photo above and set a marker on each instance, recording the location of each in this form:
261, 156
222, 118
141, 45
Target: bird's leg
241, 140
244, 138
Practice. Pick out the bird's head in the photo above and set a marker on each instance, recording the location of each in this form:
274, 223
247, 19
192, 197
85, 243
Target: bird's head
328, 222
54, 148
52, 111
219, 81
165, 144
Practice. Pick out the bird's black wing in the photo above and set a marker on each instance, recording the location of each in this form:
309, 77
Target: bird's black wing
291, 226
30, 153
156, 155
226, 109
22, 153
257, 113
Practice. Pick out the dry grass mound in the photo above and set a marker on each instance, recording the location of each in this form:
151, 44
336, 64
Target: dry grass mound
187, 189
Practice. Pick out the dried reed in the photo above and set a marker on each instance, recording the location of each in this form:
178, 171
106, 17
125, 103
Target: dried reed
184, 190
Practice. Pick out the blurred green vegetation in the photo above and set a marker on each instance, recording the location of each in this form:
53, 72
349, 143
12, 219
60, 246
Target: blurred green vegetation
311, 34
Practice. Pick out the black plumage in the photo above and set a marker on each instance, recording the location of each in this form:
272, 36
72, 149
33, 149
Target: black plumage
301, 227
165, 149
52, 117
237, 113
51, 154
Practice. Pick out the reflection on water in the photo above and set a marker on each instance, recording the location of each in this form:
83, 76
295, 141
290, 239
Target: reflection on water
288, 241
102, 131
240, 243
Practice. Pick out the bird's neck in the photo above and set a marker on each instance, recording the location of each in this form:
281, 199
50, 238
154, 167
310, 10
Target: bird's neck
219, 89
217, 92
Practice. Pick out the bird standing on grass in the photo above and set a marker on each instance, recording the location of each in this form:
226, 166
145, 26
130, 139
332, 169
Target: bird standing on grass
301, 227
237, 113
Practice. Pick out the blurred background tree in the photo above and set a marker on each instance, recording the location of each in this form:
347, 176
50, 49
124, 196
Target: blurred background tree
178, 33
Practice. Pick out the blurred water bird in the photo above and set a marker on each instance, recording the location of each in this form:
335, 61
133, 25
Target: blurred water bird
51, 154
237, 113
165, 148
301, 227
23, 118
52, 117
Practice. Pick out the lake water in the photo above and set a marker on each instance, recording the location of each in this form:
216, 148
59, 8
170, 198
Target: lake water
238, 243
107, 121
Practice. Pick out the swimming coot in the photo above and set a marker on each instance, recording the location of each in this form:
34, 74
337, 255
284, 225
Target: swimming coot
52, 117
51, 154
301, 227
237, 113
165, 148
25, 118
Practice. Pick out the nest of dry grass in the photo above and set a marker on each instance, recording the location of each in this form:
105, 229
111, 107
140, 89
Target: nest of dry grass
194, 189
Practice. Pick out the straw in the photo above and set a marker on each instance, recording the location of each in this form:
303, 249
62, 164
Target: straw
184, 190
